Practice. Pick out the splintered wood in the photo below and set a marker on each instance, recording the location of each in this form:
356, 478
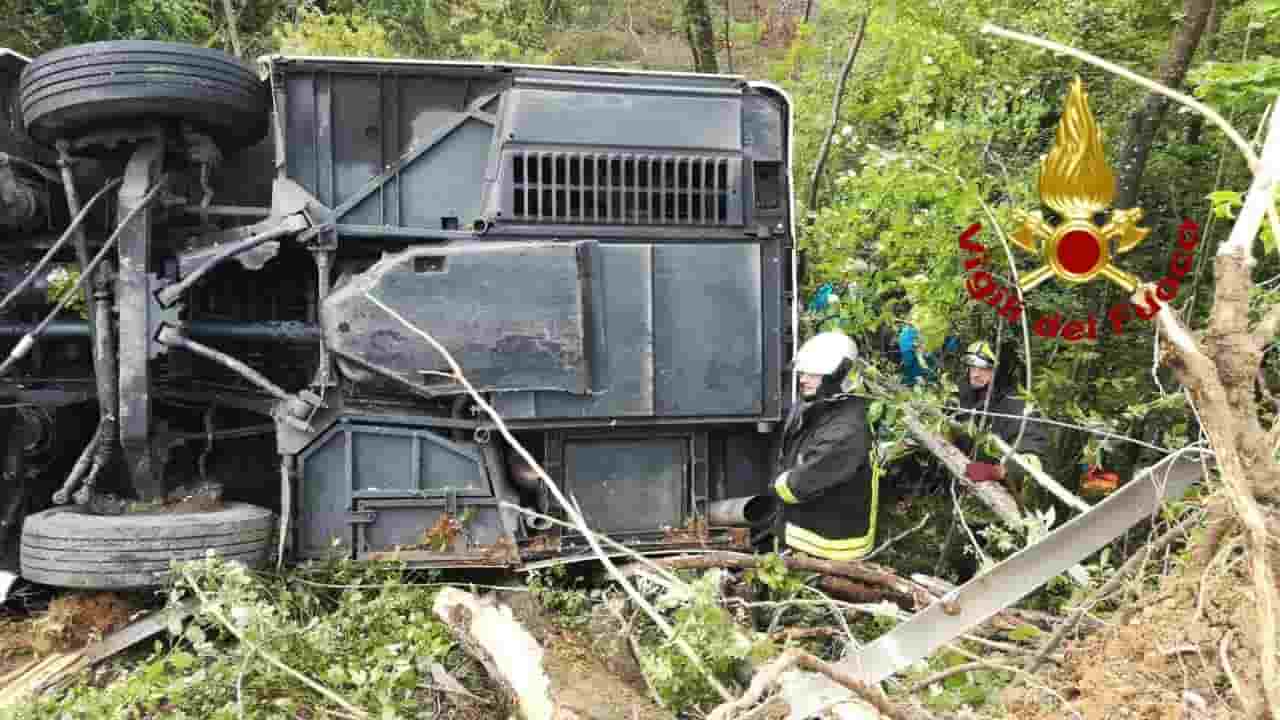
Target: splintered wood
19, 686
491, 634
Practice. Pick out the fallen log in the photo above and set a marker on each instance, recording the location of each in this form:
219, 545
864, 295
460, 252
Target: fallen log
849, 590
549, 671
865, 576
991, 494
1046, 481
491, 635
863, 572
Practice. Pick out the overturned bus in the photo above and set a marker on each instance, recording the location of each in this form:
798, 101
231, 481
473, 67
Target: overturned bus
221, 288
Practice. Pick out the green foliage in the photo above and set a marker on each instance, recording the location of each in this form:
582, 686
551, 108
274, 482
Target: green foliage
972, 689
371, 644
710, 630
513, 30
317, 33
62, 281
773, 574
92, 20
564, 595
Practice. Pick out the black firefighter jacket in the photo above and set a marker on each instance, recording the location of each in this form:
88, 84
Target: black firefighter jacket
1004, 421
825, 480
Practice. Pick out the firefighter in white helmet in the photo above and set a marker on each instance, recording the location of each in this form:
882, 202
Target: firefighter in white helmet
823, 474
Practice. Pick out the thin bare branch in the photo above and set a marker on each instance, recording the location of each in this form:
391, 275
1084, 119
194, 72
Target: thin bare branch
213, 611
949, 672
1241, 144
1247, 698
889, 543
835, 114
1259, 200
578, 520
769, 674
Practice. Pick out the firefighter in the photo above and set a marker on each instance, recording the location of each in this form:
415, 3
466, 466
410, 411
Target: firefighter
824, 475
984, 391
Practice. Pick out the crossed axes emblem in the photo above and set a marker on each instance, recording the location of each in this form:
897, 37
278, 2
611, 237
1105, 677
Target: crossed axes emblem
1078, 250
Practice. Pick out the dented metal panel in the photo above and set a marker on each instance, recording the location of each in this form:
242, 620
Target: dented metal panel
621, 343
513, 314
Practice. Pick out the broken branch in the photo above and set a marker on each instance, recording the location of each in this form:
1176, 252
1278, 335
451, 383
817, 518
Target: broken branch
212, 609
508, 652
578, 520
992, 495
835, 114
1040, 476
949, 672
769, 674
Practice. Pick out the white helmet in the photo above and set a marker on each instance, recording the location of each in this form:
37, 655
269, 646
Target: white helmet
828, 353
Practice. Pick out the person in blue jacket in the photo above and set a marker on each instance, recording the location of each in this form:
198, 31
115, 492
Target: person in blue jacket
918, 365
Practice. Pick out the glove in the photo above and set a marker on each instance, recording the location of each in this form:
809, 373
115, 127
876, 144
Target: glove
983, 472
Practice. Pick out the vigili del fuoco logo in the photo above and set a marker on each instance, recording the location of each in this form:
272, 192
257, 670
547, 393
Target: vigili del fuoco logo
1077, 183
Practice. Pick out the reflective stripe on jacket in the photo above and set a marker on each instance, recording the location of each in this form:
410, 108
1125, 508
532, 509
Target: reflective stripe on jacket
825, 479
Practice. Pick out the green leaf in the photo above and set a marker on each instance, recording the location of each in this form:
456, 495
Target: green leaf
1024, 633
1224, 202
875, 412
182, 660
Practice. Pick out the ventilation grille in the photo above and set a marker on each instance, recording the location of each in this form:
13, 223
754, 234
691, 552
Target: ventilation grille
625, 189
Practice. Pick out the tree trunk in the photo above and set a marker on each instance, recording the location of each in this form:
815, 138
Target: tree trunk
702, 36
728, 33
232, 18
1196, 126
506, 649
1146, 120
1220, 371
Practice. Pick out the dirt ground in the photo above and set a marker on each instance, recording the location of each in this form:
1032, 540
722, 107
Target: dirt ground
71, 621
1163, 663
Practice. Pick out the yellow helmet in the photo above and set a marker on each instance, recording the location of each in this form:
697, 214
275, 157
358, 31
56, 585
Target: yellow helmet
979, 354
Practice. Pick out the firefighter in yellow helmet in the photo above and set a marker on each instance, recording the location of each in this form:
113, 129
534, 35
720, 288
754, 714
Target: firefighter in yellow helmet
823, 473
991, 406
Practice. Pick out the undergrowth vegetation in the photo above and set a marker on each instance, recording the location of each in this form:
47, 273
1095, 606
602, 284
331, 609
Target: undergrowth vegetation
363, 630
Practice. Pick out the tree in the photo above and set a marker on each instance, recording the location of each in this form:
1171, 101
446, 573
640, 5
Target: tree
1146, 120
702, 36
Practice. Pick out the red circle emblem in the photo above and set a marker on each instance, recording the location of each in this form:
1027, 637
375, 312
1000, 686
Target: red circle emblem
1078, 251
